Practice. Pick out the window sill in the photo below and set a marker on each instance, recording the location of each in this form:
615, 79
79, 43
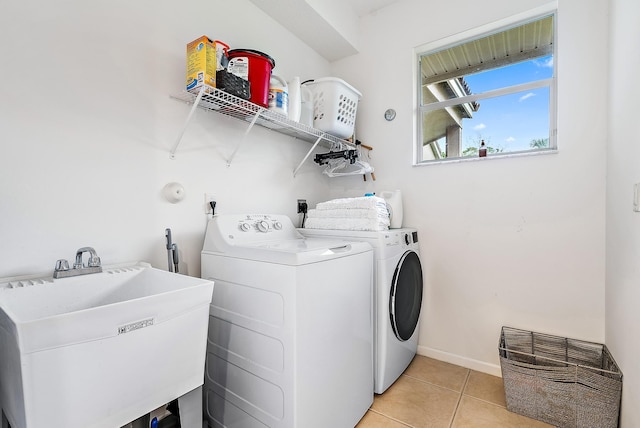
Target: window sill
488, 157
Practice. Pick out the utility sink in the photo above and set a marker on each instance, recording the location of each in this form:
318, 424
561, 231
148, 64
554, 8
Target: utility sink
99, 350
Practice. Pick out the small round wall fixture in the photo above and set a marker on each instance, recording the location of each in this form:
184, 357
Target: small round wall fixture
173, 192
390, 114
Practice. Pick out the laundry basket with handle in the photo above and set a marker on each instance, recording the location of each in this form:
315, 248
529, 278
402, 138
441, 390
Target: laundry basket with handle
564, 382
335, 103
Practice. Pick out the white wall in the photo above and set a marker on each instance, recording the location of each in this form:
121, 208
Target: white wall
87, 123
516, 241
623, 225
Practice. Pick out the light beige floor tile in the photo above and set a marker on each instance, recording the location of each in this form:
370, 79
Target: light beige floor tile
485, 387
473, 413
375, 420
416, 403
437, 372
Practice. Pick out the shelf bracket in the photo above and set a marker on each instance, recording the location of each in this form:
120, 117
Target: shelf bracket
244, 137
172, 153
295, 171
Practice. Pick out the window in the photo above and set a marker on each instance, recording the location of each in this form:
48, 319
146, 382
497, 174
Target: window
497, 89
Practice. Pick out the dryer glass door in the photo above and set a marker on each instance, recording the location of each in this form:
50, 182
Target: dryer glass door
406, 296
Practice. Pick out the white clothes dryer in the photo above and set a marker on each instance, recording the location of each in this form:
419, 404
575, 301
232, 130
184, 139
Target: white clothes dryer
290, 328
398, 290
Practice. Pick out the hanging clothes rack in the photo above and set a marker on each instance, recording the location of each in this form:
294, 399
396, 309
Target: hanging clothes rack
323, 158
342, 162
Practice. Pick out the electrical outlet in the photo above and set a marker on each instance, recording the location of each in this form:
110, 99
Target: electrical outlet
208, 197
302, 206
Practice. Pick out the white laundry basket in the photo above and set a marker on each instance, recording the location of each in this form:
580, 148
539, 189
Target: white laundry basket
334, 106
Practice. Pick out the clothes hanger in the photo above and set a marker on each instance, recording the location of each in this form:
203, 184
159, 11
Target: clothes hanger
342, 167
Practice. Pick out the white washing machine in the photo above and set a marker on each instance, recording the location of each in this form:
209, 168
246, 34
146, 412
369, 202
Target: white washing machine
397, 296
290, 327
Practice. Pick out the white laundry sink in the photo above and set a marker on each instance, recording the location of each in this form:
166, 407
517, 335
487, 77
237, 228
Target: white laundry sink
99, 350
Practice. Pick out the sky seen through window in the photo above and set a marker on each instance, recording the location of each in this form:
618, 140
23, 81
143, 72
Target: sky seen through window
510, 122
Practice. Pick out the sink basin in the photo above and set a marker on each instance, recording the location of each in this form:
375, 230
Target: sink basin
99, 350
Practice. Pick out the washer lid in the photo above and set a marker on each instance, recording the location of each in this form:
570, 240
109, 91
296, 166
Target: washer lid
299, 251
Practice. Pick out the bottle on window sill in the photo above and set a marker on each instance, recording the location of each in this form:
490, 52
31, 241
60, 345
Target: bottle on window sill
482, 152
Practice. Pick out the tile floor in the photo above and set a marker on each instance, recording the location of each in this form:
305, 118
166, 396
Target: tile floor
434, 394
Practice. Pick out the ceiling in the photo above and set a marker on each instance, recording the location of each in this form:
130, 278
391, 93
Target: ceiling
365, 7
327, 26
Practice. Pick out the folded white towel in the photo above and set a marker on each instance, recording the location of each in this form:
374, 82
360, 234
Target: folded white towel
350, 213
365, 202
363, 224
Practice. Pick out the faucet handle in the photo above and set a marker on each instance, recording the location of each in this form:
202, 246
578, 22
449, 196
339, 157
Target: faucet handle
62, 265
94, 261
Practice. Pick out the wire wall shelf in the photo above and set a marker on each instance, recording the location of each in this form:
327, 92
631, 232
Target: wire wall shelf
213, 99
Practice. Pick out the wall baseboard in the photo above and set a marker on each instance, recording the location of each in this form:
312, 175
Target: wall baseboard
469, 363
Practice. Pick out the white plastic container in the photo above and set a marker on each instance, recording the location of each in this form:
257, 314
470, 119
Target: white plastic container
295, 102
334, 106
278, 95
394, 205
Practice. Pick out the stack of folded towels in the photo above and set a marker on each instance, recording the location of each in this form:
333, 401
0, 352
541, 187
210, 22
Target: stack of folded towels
368, 213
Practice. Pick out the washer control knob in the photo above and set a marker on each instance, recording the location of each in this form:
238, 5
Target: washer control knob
277, 225
263, 226
407, 239
245, 227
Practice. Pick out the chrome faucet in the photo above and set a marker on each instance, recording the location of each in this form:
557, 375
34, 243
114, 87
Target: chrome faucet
62, 269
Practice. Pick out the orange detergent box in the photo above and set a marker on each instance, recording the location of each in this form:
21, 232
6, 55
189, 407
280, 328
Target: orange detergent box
203, 60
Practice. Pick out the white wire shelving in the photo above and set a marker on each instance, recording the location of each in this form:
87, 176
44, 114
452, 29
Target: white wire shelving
213, 99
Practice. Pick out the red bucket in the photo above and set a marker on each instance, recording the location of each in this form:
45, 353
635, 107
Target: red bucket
260, 66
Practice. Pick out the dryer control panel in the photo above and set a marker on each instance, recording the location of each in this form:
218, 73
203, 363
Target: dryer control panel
404, 237
226, 230
410, 237
259, 223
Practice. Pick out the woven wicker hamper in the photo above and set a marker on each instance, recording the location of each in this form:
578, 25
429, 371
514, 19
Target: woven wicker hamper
565, 382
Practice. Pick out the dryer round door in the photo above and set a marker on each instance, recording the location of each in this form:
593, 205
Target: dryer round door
405, 299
